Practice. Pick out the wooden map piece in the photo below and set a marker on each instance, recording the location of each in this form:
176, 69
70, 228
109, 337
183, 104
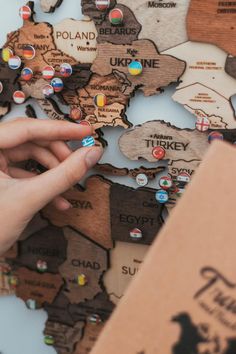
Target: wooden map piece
58, 312
12, 252
50, 5
90, 336
8, 78
83, 257
158, 18
134, 208
205, 88
77, 38
108, 169
90, 213
80, 77
123, 34
126, 259
5, 275
213, 21
158, 70
51, 108
99, 305
230, 66
48, 244
113, 114
185, 144
39, 287
89, 9
30, 111
36, 224
65, 337
178, 166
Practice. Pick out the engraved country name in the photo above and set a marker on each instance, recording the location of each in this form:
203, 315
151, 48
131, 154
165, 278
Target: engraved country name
166, 143
146, 63
226, 7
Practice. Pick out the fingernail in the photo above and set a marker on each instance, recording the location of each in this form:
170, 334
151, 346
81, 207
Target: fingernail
65, 205
93, 156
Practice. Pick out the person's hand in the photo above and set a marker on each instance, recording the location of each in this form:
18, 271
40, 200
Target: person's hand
23, 193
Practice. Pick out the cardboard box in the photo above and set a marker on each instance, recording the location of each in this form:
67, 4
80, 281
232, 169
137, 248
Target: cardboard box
183, 301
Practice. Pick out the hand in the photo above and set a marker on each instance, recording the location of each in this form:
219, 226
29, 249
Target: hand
23, 193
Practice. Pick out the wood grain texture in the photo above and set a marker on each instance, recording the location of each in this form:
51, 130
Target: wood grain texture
48, 245
158, 70
99, 305
131, 209
113, 114
58, 310
83, 257
205, 87
126, 260
122, 34
90, 336
50, 107
65, 337
213, 21
39, 287
90, 213
110, 170
158, 18
185, 144
77, 38
50, 5
230, 66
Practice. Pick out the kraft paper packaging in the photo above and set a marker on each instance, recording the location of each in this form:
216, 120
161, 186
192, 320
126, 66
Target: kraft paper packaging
183, 300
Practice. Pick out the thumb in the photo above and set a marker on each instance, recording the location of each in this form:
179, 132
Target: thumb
45, 187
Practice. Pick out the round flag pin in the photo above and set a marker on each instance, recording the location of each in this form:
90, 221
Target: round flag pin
25, 12
14, 62
42, 266
141, 179
84, 122
158, 152
75, 113
135, 68
94, 318
215, 136
26, 74
1, 87
136, 234
28, 52
48, 91
100, 100
202, 124
48, 72
82, 280
57, 84
49, 340
19, 97
183, 177
7, 53
116, 16
102, 5
66, 70
162, 196
165, 182
88, 141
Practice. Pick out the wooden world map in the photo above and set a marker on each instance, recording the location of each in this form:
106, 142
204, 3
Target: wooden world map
77, 264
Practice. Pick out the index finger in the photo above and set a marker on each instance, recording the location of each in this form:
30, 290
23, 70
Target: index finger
22, 130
